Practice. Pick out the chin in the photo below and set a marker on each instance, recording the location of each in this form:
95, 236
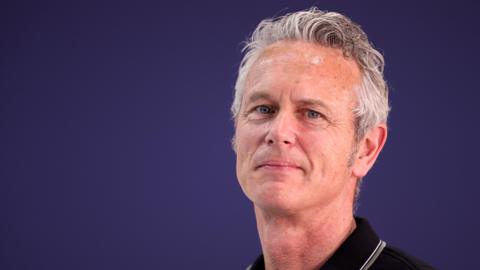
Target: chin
276, 197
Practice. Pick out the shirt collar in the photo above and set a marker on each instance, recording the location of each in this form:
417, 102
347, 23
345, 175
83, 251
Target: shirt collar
354, 252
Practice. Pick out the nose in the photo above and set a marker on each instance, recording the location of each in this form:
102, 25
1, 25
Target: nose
281, 130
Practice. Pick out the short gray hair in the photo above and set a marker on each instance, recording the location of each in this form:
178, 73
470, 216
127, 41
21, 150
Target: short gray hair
329, 29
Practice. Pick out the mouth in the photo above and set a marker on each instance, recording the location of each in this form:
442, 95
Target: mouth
278, 165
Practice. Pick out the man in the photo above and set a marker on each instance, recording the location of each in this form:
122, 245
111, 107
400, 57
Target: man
310, 114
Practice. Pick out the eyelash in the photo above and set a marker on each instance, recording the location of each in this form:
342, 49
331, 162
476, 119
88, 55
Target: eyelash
259, 107
317, 114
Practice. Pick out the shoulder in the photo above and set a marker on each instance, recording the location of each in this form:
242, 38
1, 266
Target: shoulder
394, 259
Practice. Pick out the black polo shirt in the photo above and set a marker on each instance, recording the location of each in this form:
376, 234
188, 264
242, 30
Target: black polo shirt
363, 250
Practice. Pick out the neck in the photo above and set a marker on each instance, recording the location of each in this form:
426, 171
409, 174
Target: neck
304, 240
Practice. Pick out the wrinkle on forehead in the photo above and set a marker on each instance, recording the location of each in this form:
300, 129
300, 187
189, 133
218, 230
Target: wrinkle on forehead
271, 54
296, 49
313, 59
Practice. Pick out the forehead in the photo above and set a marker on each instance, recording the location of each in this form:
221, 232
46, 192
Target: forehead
299, 62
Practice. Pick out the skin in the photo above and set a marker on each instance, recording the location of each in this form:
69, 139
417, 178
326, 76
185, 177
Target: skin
297, 159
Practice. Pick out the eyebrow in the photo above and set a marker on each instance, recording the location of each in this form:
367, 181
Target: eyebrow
312, 101
259, 95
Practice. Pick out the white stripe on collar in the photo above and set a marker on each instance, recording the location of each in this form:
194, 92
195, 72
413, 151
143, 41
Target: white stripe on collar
374, 256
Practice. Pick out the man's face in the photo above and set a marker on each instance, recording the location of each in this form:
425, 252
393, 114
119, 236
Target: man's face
295, 131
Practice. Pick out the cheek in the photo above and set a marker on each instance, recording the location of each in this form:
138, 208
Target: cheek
245, 145
248, 137
326, 151
245, 141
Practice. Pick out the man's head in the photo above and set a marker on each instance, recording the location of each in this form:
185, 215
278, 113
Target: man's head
310, 110
329, 29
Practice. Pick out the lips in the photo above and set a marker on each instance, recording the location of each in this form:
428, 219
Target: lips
278, 165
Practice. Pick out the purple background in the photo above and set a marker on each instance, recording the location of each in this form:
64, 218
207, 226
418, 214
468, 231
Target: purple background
114, 132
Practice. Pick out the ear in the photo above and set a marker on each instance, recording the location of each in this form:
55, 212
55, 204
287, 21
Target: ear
368, 149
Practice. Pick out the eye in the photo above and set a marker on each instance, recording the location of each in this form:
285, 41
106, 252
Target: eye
313, 114
263, 109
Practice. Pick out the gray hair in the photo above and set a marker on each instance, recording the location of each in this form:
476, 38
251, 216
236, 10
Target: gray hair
329, 29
